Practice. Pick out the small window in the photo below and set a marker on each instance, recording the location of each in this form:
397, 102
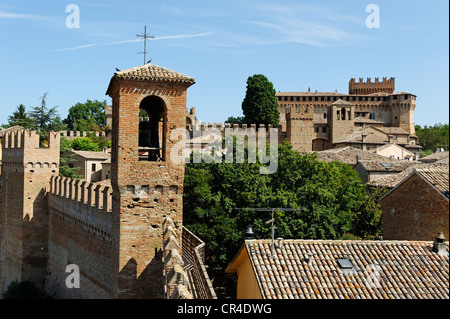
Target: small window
94, 167
324, 115
345, 265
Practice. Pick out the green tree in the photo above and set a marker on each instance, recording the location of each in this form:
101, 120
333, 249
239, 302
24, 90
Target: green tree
22, 290
65, 158
85, 144
260, 105
433, 137
235, 120
21, 117
46, 119
89, 116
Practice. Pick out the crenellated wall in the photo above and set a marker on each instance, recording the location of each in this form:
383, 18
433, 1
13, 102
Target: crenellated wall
70, 135
80, 222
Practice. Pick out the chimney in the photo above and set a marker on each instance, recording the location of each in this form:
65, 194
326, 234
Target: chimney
249, 234
439, 245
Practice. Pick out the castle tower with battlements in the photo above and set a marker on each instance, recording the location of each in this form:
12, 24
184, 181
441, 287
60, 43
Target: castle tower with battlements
26, 172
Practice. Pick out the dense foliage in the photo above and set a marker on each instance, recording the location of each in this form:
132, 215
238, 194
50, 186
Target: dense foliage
22, 290
433, 137
260, 105
329, 198
89, 116
40, 118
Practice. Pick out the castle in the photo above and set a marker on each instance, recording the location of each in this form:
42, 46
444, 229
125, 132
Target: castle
127, 239
369, 117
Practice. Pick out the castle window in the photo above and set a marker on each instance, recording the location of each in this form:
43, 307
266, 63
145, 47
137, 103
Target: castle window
316, 98
310, 98
304, 98
285, 98
406, 96
279, 98
360, 98
292, 98
298, 98
316, 129
94, 167
324, 115
338, 113
322, 98
349, 115
324, 129
394, 97
384, 99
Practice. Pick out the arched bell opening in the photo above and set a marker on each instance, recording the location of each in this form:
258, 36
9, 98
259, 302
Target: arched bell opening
152, 129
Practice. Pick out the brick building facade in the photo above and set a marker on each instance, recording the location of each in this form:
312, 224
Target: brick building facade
418, 207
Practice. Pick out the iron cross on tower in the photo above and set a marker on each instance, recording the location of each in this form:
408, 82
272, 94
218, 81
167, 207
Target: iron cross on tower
145, 36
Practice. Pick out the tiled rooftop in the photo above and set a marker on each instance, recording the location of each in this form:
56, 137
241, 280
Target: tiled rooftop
394, 180
381, 269
92, 155
348, 155
385, 165
437, 178
153, 72
436, 156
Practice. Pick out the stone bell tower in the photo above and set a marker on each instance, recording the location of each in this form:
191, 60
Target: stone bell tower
147, 180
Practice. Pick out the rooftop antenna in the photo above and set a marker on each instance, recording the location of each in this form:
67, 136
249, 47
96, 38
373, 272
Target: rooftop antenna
145, 36
271, 221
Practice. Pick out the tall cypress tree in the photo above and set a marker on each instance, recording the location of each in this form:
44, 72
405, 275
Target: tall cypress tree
260, 105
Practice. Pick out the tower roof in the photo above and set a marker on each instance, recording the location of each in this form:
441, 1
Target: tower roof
154, 73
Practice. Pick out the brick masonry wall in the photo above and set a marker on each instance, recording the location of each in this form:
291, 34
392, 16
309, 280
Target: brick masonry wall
415, 211
80, 234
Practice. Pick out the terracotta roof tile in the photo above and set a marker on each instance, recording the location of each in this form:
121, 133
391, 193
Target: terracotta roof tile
381, 270
394, 180
438, 178
153, 72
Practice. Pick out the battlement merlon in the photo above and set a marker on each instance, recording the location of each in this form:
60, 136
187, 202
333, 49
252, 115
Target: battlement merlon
369, 87
29, 140
222, 127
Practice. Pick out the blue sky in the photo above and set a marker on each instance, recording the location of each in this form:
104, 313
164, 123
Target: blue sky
296, 44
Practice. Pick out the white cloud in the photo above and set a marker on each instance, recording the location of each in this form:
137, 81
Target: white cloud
9, 15
180, 36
